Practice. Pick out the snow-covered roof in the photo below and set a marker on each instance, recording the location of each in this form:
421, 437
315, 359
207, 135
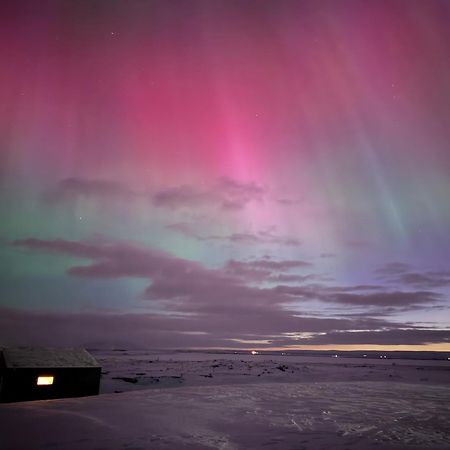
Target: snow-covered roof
44, 357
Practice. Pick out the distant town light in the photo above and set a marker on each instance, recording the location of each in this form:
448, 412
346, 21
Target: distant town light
254, 352
44, 381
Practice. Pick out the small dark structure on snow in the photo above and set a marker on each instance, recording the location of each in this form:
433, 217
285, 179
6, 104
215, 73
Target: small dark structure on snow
28, 373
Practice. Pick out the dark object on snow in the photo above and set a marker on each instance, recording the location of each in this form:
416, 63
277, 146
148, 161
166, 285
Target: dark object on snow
126, 379
29, 373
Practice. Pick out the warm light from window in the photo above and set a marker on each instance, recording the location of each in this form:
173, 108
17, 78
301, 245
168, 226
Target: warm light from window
44, 381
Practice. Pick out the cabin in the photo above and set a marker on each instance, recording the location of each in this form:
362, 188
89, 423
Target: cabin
30, 373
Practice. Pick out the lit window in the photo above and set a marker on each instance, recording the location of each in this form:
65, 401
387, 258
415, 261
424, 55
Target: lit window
44, 381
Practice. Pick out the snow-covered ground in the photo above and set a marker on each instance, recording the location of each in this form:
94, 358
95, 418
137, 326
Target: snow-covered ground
132, 370
242, 402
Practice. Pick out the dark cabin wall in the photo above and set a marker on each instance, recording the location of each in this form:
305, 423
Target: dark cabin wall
2, 362
2, 368
20, 384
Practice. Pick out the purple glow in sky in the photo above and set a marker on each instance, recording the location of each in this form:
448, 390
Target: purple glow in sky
234, 174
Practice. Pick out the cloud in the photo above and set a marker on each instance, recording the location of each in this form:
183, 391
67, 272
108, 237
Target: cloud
404, 274
267, 270
358, 295
222, 303
186, 229
290, 278
412, 336
111, 329
393, 268
269, 236
102, 329
289, 201
426, 280
236, 194
262, 237
328, 255
184, 285
268, 264
258, 238
240, 238
71, 188
179, 196
180, 279
226, 194
396, 298
115, 259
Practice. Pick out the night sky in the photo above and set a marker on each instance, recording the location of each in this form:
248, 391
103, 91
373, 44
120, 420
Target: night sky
233, 174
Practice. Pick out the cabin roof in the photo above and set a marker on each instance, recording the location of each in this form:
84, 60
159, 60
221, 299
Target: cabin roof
45, 357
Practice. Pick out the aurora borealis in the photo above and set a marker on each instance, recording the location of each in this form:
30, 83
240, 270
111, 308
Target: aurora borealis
233, 174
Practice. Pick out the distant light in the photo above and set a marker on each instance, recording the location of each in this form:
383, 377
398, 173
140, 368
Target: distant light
44, 381
365, 356
334, 356
253, 352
